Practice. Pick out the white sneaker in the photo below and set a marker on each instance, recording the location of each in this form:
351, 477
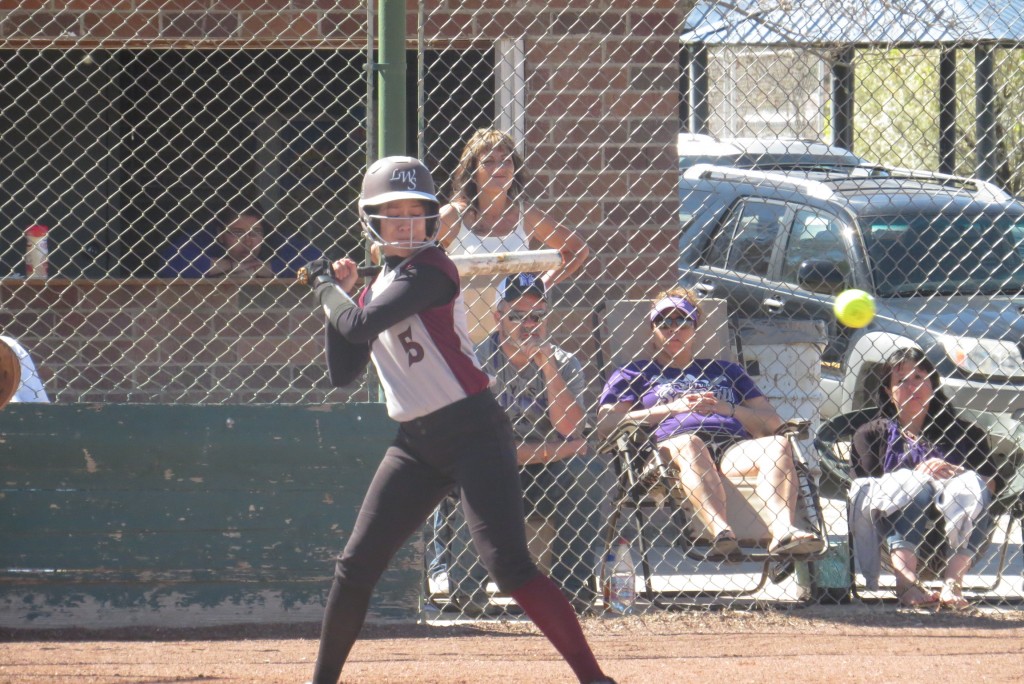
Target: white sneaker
439, 583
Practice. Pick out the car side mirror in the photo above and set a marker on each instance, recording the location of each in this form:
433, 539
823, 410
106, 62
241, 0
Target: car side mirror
821, 276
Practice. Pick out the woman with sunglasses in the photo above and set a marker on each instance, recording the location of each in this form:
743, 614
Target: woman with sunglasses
541, 387
709, 420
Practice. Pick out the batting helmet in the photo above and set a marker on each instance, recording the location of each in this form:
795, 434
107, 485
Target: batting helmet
395, 178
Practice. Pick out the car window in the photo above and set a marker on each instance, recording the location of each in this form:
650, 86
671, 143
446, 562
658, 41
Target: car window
718, 250
744, 242
921, 254
813, 236
1017, 233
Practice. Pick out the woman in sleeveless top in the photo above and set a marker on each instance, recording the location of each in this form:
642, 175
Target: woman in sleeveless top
488, 213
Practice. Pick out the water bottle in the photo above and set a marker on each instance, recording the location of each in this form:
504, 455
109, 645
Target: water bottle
36, 251
620, 579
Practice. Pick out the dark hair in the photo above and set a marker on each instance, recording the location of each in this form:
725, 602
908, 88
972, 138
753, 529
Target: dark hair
939, 414
477, 147
231, 213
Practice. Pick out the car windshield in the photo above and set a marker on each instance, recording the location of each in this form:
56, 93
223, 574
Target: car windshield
949, 255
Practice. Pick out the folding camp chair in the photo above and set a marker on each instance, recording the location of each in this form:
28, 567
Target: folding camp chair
833, 444
642, 487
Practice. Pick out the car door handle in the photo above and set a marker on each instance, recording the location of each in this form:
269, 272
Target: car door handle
773, 305
704, 289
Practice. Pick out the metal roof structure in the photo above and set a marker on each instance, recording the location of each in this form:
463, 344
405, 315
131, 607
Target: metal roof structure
843, 26
859, 23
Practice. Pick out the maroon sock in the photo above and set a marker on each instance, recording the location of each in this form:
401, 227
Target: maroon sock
551, 612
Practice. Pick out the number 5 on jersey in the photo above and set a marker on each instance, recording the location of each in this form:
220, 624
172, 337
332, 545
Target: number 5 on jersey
413, 349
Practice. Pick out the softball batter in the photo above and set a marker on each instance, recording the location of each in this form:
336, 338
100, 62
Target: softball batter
410, 321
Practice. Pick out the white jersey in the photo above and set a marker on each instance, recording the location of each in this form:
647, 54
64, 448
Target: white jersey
426, 361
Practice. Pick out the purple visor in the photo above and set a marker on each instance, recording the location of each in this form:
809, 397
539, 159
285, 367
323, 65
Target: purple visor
664, 307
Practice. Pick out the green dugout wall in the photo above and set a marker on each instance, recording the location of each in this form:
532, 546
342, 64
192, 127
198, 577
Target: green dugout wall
114, 515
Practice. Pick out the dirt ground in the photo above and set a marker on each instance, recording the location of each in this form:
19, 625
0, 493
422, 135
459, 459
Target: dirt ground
858, 643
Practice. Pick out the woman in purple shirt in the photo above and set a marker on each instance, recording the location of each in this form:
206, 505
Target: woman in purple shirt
709, 419
916, 430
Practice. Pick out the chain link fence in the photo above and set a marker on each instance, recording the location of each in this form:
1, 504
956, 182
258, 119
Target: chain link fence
186, 160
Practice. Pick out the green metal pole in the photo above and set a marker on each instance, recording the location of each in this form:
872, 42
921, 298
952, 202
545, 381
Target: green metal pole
390, 68
391, 102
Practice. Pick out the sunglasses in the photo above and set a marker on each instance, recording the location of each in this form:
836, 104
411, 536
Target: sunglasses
534, 317
673, 322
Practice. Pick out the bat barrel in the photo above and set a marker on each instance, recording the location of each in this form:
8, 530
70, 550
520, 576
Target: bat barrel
531, 261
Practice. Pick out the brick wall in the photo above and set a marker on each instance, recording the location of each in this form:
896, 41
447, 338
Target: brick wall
602, 122
172, 341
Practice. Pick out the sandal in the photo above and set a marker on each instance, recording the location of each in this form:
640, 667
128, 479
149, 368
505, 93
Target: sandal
724, 545
652, 475
917, 596
952, 595
795, 543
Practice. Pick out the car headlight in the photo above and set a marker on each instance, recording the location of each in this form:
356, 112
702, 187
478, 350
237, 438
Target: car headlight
984, 357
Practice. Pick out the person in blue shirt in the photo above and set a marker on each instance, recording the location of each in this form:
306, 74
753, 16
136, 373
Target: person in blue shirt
709, 419
243, 246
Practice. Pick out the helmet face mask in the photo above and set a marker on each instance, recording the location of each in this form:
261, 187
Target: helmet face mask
374, 217
397, 178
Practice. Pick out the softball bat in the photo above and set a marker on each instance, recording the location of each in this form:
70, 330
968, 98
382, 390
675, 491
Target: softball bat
531, 261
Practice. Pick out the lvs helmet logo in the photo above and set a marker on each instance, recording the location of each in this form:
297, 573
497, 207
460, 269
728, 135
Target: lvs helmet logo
407, 176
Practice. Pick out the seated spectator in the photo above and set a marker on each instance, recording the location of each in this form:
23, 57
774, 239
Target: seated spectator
31, 389
709, 420
243, 246
541, 387
917, 454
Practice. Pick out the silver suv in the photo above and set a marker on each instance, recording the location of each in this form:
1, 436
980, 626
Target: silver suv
764, 154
